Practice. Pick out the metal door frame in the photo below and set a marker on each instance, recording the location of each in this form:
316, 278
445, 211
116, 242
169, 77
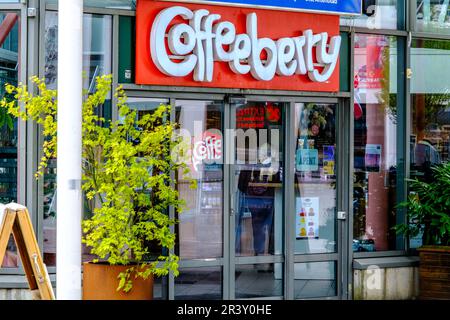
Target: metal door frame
289, 258
343, 198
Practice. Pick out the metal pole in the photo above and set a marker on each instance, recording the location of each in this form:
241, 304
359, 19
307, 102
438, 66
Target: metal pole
68, 261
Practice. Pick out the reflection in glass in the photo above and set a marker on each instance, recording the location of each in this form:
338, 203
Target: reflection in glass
315, 280
9, 67
97, 33
315, 178
200, 233
375, 143
159, 288
259, 280
382, 15
259, 179
143, 106
199, 284
433, 16
97, 46
430, 113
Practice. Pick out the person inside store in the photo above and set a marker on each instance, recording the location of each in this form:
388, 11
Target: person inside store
426, 155
257, 201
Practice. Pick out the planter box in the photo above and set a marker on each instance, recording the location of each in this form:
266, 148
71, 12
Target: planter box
100, 283
434, 273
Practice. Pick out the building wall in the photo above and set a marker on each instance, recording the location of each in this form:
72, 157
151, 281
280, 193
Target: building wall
386, 283
15, 294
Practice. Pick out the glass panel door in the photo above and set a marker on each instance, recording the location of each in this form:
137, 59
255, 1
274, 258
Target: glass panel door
315, 201
257, 192
259, 177
199, 232
315, 178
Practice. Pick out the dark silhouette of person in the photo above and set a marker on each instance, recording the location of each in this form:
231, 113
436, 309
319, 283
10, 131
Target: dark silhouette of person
257, 196
426, 157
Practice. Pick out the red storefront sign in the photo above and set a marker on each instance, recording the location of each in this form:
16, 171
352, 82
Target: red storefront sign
197, 45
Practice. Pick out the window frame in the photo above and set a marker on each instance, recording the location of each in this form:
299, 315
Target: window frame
22, 143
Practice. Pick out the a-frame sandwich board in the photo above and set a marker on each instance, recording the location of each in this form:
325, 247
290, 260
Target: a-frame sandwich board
15, 219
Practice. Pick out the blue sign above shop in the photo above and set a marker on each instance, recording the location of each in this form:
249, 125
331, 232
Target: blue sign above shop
343, 7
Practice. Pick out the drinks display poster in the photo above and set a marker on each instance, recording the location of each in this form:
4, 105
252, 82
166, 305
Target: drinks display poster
328, 160
307, 218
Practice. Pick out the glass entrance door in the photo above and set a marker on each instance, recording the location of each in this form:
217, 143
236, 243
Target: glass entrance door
317, 232
257, 196
284, 232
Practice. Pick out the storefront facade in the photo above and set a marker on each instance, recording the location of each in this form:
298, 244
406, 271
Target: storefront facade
300, 168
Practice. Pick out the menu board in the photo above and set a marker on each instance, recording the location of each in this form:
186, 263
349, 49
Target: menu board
307, 218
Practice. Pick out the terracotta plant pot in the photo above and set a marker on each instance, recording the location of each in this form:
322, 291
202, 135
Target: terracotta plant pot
434, 273
100, 282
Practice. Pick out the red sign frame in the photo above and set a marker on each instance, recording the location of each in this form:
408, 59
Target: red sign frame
271, 24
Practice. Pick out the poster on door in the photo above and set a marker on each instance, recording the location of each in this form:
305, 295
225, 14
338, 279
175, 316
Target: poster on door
328, 160
307, 218
307, 160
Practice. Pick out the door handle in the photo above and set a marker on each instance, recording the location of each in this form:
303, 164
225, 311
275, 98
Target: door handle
232, 204
342, 215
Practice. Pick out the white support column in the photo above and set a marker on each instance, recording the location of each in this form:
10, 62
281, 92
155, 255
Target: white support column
69, 196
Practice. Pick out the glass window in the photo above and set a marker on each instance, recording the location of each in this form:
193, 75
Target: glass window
259, 280
433, 16
375, 143
199, 284
143, 106
97, 44
9, 71
315, 280
315, 178
430, 112
97, 47
380, 14
159, 288
200, 233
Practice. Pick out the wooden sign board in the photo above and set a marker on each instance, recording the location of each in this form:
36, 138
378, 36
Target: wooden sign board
15, 219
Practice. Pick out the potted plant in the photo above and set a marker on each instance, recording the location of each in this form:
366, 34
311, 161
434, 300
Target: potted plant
428, 212
127, 169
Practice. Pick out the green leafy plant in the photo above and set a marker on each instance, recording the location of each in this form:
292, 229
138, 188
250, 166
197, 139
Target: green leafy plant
6, 120
428, 208
127, 167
